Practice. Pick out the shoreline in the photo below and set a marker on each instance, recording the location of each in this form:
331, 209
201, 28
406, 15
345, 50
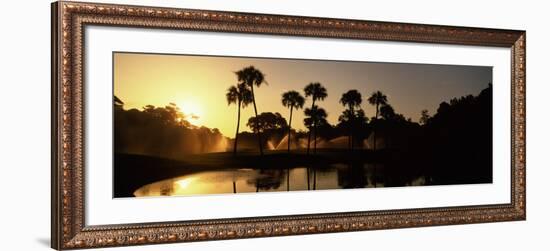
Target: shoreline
132, 171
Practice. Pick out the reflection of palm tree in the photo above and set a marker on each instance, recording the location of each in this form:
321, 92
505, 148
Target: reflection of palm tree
317, 92
251, 77
242, 96
377, 98
292, 99
351, 99
315, 117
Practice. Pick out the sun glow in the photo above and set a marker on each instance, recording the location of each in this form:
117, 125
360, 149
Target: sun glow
193, 112
184, 183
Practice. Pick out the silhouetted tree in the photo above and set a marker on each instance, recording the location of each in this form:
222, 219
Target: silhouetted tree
169, 115
346, 119
356, 121
424, 117
352, 100
315, 117
251, 77
162, 132
387, 112
241, 96
317, 92
292, 99
267, 121
377, 98
460, 137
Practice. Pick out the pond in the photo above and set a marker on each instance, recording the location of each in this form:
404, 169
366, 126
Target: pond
241, 180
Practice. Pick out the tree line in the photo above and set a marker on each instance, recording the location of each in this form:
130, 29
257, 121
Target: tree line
352, 119
162, 131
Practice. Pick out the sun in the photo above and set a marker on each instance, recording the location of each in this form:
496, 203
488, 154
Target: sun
192, 110
184, 183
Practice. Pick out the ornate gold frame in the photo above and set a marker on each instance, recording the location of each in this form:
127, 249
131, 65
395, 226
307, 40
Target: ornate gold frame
68, 226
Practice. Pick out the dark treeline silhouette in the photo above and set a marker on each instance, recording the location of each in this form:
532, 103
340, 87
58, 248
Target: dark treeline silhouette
454, 146
162, 132
459, 140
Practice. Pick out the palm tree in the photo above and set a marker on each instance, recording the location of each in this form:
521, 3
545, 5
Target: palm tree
317, 92
241, 96
251, 77
351, 99
292, 99
377, 98
315, 117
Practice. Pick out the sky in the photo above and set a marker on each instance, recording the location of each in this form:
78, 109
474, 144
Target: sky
198, 84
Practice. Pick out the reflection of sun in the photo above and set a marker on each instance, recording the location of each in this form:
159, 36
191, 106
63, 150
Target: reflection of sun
184, 183
192, 111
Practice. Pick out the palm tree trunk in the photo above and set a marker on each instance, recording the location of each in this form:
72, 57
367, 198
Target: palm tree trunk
314, 138
289, 128
374, 143
256, 116
309, 133
234, 187
352, 121
314, 152
308, 145
237, 132
374, 131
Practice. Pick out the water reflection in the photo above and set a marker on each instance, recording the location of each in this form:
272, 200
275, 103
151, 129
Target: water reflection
335, 176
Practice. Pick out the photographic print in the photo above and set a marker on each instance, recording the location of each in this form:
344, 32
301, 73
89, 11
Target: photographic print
296, 125
196, 125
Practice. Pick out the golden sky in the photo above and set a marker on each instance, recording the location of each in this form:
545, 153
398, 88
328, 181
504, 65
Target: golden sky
197, 84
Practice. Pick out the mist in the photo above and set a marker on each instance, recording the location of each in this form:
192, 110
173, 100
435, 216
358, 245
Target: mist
163, 132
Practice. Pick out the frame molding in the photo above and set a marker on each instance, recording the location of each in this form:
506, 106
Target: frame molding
68, 218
